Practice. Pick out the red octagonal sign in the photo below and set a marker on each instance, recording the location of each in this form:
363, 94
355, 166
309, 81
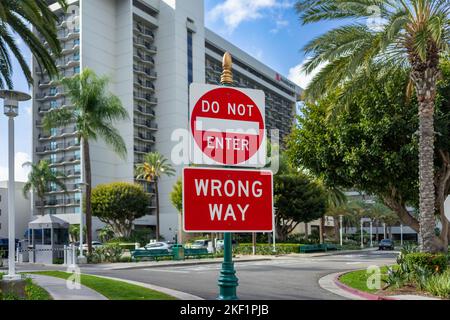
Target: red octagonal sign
227, 126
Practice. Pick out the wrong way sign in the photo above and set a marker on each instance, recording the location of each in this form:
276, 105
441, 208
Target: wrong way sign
227, 200
227, 126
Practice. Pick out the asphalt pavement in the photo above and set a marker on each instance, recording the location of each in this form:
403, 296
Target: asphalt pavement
286, 278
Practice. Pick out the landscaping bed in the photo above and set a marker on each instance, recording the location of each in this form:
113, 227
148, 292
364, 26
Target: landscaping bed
32, 292
415, 273
112, 289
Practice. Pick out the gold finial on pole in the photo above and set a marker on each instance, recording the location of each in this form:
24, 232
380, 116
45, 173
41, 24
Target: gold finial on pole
227, 73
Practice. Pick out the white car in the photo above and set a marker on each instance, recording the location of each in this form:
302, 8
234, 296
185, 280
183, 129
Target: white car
95, 244
157, 246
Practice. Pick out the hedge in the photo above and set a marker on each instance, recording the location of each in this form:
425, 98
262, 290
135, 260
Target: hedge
433, 262
267, 249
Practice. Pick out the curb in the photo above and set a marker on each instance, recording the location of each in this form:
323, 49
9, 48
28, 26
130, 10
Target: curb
362, 294
174, 293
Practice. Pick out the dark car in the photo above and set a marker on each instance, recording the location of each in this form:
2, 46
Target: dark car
386, 244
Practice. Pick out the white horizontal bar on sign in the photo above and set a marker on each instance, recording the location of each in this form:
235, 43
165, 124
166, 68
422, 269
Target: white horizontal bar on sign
225, 125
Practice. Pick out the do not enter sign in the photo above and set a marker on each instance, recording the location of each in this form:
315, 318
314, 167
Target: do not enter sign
227, 126
227, 200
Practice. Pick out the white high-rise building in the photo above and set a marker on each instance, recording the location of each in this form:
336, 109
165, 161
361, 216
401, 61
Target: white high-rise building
151, 50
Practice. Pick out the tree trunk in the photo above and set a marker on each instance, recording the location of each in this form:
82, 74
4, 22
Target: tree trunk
157, 209
306, 230
88, 177
424, 75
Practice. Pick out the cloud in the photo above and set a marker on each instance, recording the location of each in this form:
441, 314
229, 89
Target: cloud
299, 77
21, 173
280, 24
234, 12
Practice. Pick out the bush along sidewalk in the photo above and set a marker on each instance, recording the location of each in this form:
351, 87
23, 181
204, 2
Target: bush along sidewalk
31, 291
415, 273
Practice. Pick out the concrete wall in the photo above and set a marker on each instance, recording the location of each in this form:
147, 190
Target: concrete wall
23, 211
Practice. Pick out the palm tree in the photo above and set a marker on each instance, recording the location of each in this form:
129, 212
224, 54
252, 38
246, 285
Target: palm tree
154, 166
40, 178
16, 17
409, 35
93, 112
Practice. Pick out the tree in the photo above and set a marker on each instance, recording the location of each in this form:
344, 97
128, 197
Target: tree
176, 196
372, 145
118, 204
40, 179
154, 166
94, 111
410, 35
74, 232
297, 199
16, 17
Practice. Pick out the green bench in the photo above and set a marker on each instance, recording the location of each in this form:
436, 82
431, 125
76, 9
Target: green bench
317, 247
154, 254
197, 253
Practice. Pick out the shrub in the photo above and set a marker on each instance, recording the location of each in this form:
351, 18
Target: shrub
106, 253
266, 249
435, 263
439, 285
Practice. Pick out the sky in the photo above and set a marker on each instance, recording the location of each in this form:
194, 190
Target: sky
269, 30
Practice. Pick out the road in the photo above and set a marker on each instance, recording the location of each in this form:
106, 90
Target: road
287, 278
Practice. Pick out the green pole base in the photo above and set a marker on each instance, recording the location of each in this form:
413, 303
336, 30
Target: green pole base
228, 282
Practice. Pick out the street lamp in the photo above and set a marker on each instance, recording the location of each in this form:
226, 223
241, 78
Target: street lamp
371, 242
340, 229
362, 234
11, 110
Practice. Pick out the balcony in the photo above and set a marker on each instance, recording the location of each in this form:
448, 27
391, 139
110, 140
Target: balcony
145, 85
145, 123
142, 149
140, 43
145, 71
145, 137
144, 31
145, 97
57, 147
48, 95
65, 160
59, 134
147, 111
68, 34
144, 58
58, 202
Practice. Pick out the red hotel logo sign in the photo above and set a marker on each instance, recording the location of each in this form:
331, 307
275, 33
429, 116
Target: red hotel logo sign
225, 200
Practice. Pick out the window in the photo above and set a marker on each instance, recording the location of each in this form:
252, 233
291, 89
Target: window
190, 62
53, 91
76, 69
76, 42
76, 56
53, 104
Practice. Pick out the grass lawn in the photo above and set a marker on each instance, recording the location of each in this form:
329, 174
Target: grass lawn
358, 279
113, 289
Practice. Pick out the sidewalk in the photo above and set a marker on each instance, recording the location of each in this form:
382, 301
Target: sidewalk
58, 289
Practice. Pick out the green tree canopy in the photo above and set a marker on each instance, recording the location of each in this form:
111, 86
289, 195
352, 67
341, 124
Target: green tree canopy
297, 199
372, 145
176, 196
118, 204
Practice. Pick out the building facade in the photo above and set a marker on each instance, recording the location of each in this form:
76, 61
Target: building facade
23, 206
151, 50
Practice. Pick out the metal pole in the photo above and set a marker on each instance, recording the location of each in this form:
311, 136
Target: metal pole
384, 230
228, 281
274, 248
11, 205
81, 257
362, 235
340, 229
401, 235
371, 243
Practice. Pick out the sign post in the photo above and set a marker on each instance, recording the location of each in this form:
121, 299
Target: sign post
227, 127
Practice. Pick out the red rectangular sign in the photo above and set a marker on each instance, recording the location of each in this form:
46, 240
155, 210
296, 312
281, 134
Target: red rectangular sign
227, 200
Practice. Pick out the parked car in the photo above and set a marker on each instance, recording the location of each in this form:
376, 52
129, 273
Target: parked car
4, 244
386, 244
95, 244
219, 244
158, 245
200, 244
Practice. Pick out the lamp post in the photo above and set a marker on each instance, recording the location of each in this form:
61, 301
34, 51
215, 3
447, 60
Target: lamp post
11, 110
401, 235
228, 281
371, 243
340, 229
362, 235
